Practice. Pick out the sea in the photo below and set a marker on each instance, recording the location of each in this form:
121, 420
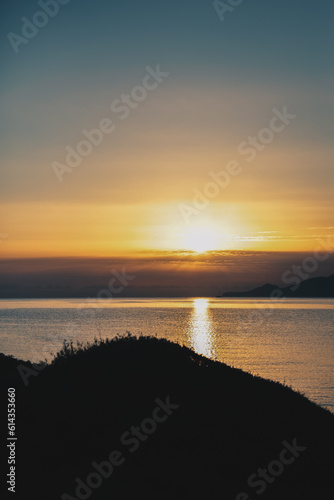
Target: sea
287, 340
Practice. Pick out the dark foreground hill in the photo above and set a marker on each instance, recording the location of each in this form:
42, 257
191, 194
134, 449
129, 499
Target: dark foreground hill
322, 287
148, 419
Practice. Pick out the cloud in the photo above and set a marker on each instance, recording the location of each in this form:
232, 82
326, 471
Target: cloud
156, 274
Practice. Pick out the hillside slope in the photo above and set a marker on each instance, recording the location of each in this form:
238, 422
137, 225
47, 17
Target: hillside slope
210, 428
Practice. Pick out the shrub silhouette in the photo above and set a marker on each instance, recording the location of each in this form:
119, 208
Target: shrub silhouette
229, 424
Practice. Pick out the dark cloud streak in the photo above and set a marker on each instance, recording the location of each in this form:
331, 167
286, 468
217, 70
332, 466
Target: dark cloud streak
162, 274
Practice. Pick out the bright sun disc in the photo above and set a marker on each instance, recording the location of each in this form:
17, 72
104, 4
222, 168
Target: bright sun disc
200, 239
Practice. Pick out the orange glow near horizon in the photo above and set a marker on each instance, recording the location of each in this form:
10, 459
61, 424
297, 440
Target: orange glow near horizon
86, 230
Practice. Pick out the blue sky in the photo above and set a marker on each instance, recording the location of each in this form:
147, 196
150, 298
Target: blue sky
112, 37
95, 48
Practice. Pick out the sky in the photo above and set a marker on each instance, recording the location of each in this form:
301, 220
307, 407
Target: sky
217, 137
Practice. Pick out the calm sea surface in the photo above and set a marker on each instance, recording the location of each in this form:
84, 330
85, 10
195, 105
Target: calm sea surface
290, 341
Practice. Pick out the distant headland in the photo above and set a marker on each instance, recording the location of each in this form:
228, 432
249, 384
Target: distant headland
322, 287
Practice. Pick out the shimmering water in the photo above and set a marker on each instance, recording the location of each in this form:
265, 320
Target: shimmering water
290, 341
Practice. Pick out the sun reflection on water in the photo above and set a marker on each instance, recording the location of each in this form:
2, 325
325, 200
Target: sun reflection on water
200, 329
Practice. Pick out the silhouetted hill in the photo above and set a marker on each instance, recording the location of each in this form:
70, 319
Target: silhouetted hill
262, 291
312, 288
205, 428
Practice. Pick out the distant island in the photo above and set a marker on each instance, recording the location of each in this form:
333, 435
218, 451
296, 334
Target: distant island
322, 287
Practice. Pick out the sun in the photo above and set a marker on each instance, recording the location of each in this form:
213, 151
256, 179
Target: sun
200, 238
